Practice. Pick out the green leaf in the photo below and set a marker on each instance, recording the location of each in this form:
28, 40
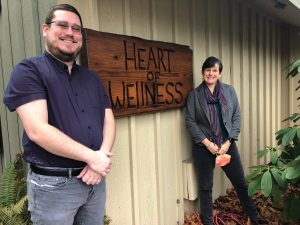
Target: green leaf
255, 173
276, 195
298, 133
266, 184
293, 72
293, 172
282, 131
8, 190
293, 64
295, 208
273, 157
280, 163
279, 150
293, 117
277, 177
286, 209
298, 158
262, 153
283, 175
254, 186
289, 136
292, 163
297, 117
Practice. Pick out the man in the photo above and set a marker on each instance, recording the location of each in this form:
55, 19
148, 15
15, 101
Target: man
69, 127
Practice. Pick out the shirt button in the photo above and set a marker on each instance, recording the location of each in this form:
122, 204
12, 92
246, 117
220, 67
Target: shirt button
82, 110
76, 94
89, 127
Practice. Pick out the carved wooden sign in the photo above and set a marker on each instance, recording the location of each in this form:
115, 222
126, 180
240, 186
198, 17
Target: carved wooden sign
139, 75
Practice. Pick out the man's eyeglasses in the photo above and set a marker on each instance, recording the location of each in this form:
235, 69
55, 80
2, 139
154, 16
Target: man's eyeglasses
65, 26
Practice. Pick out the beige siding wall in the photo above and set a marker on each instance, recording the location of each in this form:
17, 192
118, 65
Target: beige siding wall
294, 55
145, 185
20, 38
146, 181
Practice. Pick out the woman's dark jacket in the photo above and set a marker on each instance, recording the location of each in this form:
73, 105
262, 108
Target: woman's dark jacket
198, 118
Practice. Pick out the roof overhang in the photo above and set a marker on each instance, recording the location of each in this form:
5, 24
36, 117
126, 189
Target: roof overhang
287, 11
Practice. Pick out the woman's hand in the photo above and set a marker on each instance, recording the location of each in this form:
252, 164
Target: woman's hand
224, 147
212, 147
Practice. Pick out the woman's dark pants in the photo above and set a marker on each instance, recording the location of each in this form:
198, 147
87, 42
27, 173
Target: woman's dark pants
205, 162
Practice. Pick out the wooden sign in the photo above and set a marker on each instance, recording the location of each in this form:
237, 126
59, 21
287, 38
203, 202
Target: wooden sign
139, 75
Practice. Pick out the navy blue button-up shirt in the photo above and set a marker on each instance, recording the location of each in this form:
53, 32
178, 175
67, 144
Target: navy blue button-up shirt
76, 104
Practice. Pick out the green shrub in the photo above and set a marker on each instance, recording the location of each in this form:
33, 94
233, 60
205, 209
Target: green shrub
13, 198
279, 179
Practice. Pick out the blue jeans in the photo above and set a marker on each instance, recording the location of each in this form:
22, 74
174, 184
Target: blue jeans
205, 162
65, 201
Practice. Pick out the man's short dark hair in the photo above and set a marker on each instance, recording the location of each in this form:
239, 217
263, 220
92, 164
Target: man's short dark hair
210, 62
65, 7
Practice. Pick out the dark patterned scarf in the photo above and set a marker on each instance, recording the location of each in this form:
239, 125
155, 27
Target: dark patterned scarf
212, 100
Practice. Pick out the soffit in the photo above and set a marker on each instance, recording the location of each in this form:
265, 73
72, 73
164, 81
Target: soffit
284, 10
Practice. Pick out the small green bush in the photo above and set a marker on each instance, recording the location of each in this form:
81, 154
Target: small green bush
13, 197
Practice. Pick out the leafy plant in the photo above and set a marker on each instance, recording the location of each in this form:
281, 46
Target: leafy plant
279, 179
13, 198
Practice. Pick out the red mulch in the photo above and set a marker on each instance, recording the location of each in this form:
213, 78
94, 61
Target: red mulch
228, 211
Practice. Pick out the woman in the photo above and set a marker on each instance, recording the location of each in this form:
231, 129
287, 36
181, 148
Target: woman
213, 120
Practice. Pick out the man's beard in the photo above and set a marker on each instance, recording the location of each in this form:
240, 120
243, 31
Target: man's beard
61, 55
66, 57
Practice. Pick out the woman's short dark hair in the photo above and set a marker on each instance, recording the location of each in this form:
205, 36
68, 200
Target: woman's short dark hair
65, 7
210, 62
